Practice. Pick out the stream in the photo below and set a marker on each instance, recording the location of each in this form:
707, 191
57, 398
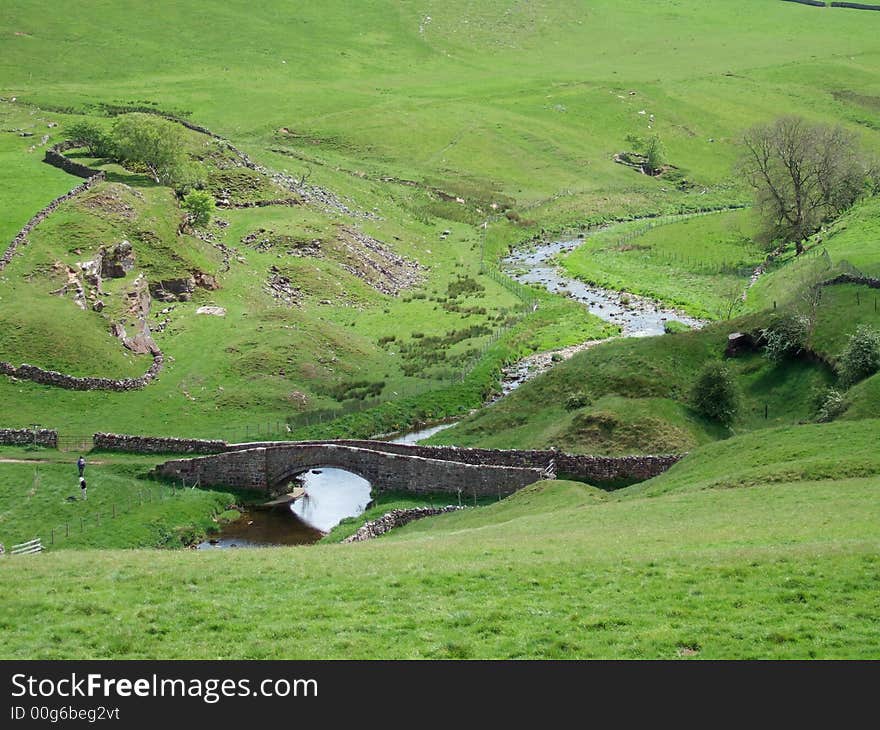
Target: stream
334, 494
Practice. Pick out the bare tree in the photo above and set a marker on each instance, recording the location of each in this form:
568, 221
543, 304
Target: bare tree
803, 174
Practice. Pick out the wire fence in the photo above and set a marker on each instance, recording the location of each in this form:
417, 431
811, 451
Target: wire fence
102, 518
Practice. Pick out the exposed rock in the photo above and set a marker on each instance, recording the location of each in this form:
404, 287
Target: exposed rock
173, 290
376, 264
205, 281
738, 343
117, 260
212, 310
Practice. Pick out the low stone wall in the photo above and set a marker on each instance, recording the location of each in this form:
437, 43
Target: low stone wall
21, 237
55, 156
855, 6
71, 382
867, 281
25, 437
396, 518
156, 444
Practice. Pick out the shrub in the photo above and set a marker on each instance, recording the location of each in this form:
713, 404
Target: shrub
95, 139
829, 404
714, 394
786, 336
577, 400
199, 204
861, 358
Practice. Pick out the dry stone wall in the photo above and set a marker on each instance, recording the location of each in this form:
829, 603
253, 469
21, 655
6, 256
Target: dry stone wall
72, 382
156, 444
396, 518
867, 281
54, 157
25, 437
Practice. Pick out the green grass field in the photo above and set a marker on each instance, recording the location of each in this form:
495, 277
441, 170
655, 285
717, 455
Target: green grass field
447, 133
560, 570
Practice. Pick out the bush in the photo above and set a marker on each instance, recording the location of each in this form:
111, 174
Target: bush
95, 139
786, 336
199, 204
577, 400
829, 404
714, 394
861, 358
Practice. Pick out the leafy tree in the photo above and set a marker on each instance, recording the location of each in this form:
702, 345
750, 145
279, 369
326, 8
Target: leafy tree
200, 205
861, 358
786, 336
803, 174
715, 395
95, 139
651, 149
155, 143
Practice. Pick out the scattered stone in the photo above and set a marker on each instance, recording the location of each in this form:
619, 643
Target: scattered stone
212, 310
280, 287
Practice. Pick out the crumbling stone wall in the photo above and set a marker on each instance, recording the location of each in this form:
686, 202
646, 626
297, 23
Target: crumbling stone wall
396, 518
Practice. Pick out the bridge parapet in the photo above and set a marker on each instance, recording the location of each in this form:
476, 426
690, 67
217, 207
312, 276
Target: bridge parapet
270, 468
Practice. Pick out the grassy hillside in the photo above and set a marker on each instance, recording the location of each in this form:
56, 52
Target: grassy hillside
788, 570
413, 115
40, 497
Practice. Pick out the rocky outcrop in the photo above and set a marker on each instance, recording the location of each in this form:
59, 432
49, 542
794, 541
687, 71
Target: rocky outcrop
281, 288
289, 202
181, 289
173, 290
376, 264
396, 518
116, 261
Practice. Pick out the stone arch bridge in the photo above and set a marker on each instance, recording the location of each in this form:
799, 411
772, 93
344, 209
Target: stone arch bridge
270, 467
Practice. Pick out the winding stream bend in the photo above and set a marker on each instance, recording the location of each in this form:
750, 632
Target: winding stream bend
637, 316
334, 494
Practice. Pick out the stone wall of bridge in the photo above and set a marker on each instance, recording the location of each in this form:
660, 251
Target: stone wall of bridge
594, 469
270, 469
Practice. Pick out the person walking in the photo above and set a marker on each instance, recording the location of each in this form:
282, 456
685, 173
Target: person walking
82, 487
81, 464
